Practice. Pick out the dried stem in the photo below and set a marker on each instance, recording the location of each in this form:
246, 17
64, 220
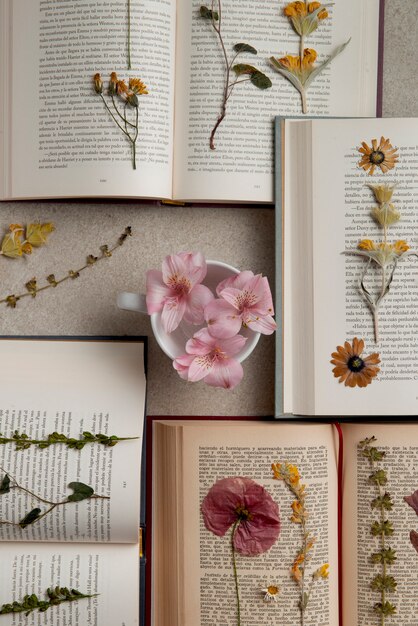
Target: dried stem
129, 35
234, 567
33, 289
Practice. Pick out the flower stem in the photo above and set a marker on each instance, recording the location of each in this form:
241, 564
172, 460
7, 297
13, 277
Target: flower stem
129, 35
234, 567
302, 92
217, 29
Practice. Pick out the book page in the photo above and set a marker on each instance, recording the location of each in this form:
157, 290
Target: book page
241, 166
111, 572
400, 444
65, 142
211, 451
342, 208
71, 387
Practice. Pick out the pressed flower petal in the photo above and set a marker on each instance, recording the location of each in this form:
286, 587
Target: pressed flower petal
412, 500
253, 535
196, 301
173, 311
227, 373
222, 318
157, 291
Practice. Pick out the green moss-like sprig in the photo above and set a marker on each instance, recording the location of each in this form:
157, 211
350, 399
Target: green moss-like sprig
55, 596
382, 528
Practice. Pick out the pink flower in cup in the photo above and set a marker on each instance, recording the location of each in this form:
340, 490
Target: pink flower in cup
177, 292
245, 300
248, 508
210, 359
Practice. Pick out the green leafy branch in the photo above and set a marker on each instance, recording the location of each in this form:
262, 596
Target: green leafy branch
80, 491
251, 73
381, 528
22, 441
56, 595
33, 289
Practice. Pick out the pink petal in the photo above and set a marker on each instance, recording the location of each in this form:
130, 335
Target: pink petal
195, 264
263, 293
227, 373
414, 539
173, 266
218, 507
196, 301
233, 296
172, 314
157, 291
238, 281
201, 343
223, 319
200, 367
260, 324
233, 345
219, 510
412, 500
182, 364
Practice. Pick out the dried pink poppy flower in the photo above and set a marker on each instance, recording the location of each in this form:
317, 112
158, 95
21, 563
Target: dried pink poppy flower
242, 502
412, 500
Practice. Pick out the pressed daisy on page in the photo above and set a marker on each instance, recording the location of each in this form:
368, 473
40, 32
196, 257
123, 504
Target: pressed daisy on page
351, 367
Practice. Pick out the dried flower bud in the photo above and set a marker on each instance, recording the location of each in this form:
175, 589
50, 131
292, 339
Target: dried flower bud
113, 84
132, 99
98, 83
52, 280
91, 259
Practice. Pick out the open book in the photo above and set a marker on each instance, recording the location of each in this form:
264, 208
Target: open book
198, 586
347, 267
58, 140
70, 513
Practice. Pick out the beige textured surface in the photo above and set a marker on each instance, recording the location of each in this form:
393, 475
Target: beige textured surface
243, 237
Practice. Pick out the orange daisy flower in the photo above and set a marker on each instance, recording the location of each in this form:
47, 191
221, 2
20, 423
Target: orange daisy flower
383, 155
351, 368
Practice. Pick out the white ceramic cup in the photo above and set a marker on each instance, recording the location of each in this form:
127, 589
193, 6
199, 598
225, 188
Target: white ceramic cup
174, 344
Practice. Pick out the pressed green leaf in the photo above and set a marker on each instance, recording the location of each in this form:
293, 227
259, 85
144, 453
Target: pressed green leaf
31, 517
208, 14
323, 65
5, 485
244, 47
243, 68
81, 492
260, 80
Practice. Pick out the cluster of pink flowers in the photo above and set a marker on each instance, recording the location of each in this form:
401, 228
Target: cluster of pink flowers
243, 300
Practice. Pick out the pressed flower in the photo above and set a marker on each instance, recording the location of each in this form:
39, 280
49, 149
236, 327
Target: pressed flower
246, 504
271, 593
113, 83
386, 214
11, 245
98, 83
176, 290
383, 193
382, 155
245, 300
37, 234
412, 500
413, 536
322, 572
299, 11
287, 472
382, 253
137, 86
351, 367
122, 88
211, 359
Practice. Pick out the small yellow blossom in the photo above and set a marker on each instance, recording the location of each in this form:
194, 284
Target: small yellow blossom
322, 572
36, 234
383, 193
137, 86
366, 244
270, 593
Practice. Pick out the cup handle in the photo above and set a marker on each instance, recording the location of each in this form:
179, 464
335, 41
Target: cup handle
132, 302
